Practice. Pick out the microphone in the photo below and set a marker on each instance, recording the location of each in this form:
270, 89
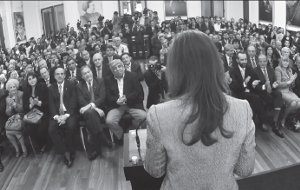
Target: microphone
137, 138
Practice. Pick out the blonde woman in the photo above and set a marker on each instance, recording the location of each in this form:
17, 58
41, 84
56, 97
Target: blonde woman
14, 105
285, 79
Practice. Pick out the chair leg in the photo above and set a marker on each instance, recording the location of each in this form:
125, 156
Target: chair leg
31, 144
82, 139
111, 136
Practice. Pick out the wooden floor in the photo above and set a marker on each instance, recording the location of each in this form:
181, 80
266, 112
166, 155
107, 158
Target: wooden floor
47, 172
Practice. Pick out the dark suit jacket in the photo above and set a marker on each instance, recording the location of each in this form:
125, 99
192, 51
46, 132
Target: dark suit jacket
78, 74
249, 61
224, 59
132, 89
156, 87
41, 91
105, 66
260, 76
296, 88
84, 96
236, 85
136, 68
69, 98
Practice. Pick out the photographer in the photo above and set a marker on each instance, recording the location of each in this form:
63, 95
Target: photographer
156, 81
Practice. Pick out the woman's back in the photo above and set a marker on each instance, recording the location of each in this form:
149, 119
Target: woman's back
199, 166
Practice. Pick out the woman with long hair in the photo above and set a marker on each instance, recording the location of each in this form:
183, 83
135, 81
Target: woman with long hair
270, 57
201, 137
36, 96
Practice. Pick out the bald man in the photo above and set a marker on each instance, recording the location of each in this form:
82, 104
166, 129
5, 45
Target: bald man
99, 69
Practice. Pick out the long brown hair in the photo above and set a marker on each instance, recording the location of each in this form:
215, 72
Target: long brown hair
195, 71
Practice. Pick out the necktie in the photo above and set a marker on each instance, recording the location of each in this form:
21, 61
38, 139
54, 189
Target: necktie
127, 67
230, 61
266, 74
91, 92
61, 106
253, 63
99, 73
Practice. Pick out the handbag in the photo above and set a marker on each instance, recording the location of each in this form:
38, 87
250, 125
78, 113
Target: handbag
33, 116
14, 123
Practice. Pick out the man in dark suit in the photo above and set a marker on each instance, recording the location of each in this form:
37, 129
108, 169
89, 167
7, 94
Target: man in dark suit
229, 57
242, 86
123, 94
109, 56
132, 66
99, 70
266, 89
72, 72
46, 77
91, 100
62, 124
251, 57
79, 55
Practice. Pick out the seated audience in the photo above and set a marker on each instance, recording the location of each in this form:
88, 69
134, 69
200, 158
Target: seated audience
91, 101
241, 86
46, 77
72, 71
266, 89
119, 47
183, 135
99, 69
36, 96
63, 119
296, 69
3, 119
124, 93
131, 66
14, 108
285, 79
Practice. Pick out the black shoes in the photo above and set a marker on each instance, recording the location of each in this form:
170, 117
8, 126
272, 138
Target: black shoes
93, 155
105, 140
68, 159
278, 132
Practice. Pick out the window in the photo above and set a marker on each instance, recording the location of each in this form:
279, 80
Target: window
53, 19
212, 8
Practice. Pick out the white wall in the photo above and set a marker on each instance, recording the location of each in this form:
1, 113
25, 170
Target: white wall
158, 6
253, 12
193, 8
71, 13
279, 13
32, 19
7, 16
234, 9
109, 7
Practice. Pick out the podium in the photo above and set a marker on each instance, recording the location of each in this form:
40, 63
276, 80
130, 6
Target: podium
282, 178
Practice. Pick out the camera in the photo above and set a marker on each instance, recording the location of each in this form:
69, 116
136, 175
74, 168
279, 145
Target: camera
78, 24
156, 66
100, 18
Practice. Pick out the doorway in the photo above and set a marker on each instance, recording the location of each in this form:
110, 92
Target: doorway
53, 19
2, 44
